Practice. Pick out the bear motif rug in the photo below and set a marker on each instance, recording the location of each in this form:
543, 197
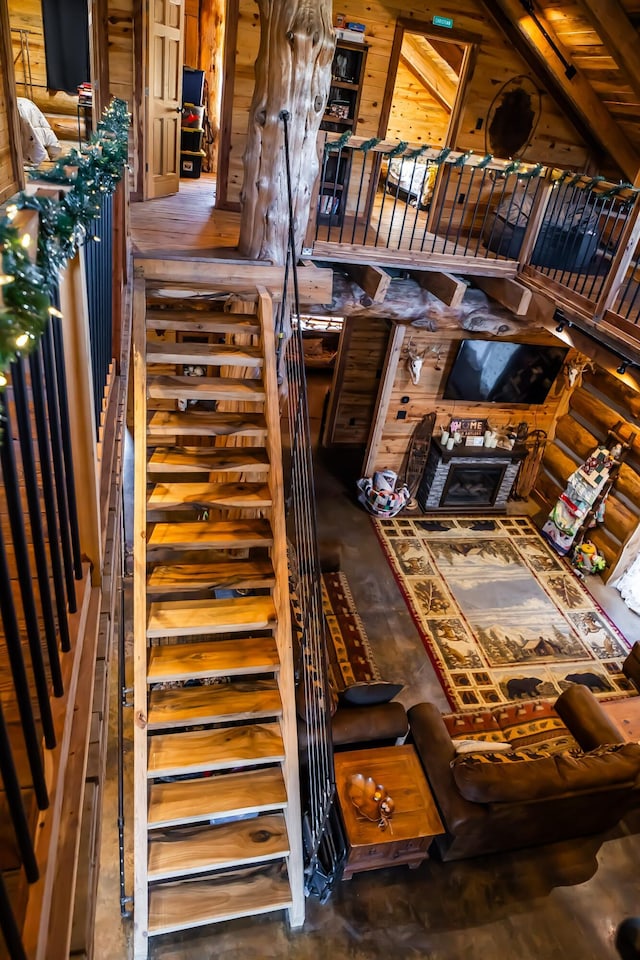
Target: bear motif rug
501, 616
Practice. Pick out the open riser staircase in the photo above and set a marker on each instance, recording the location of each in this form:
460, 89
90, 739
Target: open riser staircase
217, 810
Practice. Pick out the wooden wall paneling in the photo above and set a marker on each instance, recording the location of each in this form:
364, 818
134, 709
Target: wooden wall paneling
228, 106
440, 349
11, 168
355, 387
191, 56
99, 55
382, 403
494, 62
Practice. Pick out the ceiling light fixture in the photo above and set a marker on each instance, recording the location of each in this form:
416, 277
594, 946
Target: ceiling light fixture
569, 69
622, 368
561, 326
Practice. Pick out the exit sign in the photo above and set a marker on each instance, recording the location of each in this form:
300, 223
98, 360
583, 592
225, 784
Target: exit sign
443, 22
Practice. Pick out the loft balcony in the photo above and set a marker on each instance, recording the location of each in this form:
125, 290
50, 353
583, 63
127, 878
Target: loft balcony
572, 238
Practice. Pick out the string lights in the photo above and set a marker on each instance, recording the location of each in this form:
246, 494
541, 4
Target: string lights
26, 287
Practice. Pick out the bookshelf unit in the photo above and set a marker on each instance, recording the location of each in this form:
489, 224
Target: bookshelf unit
341, 114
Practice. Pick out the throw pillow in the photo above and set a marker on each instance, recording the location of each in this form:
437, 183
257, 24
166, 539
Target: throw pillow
464, 747
369, 693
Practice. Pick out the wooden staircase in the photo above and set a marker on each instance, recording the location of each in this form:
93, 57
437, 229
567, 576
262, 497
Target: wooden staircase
217, 808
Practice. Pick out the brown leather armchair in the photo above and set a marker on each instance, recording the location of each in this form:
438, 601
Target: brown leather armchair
557, 813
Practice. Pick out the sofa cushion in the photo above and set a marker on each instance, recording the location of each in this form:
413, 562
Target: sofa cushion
369, 693
549, 776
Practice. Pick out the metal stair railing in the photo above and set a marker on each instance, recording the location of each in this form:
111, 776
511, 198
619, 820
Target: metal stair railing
324, 843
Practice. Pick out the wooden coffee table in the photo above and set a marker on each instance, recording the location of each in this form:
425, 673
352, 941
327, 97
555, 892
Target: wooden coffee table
415, 820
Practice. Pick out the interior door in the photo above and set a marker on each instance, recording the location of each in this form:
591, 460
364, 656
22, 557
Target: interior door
165, 37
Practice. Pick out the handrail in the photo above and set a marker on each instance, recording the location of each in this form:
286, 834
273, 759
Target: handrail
570, 235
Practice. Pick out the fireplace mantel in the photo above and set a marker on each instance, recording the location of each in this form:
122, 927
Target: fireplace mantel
468, 478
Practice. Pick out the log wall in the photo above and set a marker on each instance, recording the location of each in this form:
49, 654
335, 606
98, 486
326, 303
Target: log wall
600, 403
394, 432
554, 140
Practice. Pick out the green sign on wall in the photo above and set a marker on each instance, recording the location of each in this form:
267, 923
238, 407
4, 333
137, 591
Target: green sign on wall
443, 22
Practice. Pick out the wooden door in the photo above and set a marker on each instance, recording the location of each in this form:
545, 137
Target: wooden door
165, 37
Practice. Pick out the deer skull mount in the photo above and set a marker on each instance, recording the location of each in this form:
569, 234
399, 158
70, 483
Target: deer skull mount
414, 363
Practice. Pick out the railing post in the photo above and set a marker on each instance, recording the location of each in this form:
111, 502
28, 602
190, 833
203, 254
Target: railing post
77, 359
629, 239
536, 219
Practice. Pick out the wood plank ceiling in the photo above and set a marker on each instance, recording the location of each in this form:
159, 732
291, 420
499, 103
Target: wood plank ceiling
600, 39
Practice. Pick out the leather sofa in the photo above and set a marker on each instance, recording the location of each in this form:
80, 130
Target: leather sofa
531, 801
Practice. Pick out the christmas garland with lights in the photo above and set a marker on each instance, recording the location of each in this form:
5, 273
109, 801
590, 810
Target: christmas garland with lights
27, 287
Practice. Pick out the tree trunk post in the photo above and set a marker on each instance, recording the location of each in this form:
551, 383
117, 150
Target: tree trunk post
293, 73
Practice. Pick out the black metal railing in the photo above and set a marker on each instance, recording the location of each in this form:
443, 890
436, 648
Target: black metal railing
324, 850
421, 200
98, 257
627, 302
40, 562
579, 234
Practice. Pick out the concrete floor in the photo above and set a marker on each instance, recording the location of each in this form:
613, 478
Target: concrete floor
555, 903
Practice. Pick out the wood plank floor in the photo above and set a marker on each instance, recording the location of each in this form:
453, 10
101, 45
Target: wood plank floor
185, 223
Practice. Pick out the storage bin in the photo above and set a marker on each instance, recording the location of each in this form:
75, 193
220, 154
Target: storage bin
190, 141
191, 164
192, 116
192, 85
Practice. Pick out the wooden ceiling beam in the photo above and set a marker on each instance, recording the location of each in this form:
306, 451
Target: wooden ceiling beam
439, 85
373, 280
619, 36
577, 97
445, 286
451, 52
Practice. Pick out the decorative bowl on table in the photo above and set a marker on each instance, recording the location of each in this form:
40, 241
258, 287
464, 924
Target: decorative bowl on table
371, 799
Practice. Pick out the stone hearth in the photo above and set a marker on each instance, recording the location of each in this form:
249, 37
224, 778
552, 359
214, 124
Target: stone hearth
468, 478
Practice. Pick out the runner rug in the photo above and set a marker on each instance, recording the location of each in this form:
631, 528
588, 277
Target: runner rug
502, 618
350, 657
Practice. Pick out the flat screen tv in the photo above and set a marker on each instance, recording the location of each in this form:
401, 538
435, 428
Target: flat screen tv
494, 371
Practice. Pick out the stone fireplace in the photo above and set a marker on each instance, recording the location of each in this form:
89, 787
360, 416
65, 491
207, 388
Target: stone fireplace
468, 478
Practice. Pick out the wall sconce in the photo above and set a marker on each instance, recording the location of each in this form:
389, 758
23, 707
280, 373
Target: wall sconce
561, 326
622, 368
569, 69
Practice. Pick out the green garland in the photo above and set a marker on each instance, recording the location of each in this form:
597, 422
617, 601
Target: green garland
63, 226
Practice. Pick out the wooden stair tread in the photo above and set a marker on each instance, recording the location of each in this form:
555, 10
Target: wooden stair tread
217, 847
217, 658
166, 496
179, 618
217, 534
230, 794
198, 423
197, 751
217, 703
205, 354
208, 460
199, 321
196, 903
204, 388
227, 574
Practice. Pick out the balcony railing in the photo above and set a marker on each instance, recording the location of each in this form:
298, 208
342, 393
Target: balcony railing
573, 236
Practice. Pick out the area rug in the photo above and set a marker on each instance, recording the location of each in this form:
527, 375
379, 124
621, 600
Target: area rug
502, 617
350, 656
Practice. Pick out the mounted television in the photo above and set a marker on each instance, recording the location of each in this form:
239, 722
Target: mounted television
495, 371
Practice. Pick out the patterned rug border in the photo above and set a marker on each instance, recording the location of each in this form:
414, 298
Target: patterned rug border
353, 612
429, 645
